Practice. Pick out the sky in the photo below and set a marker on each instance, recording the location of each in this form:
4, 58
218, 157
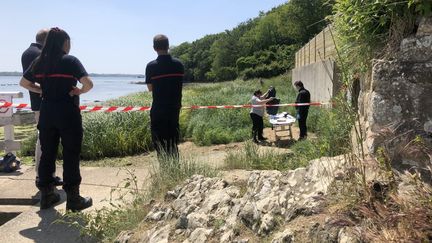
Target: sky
114, 36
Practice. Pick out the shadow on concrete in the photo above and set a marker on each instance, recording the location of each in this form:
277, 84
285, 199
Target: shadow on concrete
15, 173
55, 227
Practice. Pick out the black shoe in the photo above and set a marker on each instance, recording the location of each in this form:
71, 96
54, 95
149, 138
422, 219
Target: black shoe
75, 202
48, 197
262, 138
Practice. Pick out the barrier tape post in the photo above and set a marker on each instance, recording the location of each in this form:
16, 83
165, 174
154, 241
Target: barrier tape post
109, 109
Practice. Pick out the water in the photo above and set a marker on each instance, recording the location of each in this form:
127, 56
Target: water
105, 88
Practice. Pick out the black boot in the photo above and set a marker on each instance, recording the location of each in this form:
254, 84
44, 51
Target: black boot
260, 136
48, 197
254, 137
75, 202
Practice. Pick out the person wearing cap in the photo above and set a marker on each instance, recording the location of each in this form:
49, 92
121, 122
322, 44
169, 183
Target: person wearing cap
256, 115
27, 58
302, 111
164, 78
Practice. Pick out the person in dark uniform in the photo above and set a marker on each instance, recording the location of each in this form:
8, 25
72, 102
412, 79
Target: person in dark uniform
302, 111
164, 78
60, 117
27, 58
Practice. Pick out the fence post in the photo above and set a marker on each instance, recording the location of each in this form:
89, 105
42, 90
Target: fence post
7, 121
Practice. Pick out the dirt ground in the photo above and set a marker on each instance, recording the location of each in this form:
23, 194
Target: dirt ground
214, 155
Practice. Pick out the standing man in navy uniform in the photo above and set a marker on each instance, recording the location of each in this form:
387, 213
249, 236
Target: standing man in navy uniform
302, 111
164, 78
27, 59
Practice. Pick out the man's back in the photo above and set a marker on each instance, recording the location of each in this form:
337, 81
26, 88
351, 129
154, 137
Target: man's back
30, 55
165, 74
303, 97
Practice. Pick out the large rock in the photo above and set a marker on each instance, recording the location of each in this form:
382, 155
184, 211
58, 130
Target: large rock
287, 236
207, 207
395, 103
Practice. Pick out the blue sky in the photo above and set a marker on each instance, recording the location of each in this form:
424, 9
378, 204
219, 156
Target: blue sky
111, 36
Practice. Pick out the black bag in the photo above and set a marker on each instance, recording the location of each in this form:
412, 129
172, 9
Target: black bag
9, 163
273, 110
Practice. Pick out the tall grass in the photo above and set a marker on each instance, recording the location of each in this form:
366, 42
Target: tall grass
333, 130
121, 134
206, 127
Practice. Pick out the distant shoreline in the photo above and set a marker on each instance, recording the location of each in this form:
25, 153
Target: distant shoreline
90, 74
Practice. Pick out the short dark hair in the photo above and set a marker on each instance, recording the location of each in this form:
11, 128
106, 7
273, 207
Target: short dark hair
299, 83
256, 92
160, 42
41, 36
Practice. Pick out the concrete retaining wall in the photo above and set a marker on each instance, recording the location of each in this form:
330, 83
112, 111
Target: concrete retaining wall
319, 78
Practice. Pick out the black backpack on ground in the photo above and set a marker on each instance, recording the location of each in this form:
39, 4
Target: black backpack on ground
9, 163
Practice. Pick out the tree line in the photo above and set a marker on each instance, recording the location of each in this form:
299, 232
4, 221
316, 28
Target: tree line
263, 46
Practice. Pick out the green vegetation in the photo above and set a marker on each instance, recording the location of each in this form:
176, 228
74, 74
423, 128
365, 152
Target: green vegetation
332, 128
372, 29
121, 134
206, 127
260, 47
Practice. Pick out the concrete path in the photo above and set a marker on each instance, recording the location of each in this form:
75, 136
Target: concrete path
18, 194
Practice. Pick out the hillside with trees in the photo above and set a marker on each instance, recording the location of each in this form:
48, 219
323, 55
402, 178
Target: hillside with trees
264, 46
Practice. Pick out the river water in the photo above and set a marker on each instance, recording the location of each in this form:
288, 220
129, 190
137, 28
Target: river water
105, 88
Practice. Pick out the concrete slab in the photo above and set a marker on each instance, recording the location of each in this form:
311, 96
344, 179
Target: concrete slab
35, 225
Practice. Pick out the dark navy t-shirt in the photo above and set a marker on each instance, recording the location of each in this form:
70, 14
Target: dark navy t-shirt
57, 84
27, 58
166, 76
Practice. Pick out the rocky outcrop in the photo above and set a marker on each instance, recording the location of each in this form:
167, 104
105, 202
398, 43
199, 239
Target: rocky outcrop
213, 208
396, 102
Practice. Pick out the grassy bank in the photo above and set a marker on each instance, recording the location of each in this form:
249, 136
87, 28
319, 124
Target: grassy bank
121, 134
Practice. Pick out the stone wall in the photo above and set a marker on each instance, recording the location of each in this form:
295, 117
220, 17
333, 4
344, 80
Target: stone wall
396, 102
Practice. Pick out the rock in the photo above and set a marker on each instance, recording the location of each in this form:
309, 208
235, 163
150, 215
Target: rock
249, 215
200, 235
395, 101
197, 220
346, 235
159, 236
171, 195
215, 199
287, 236
227, 236
425, 27
182, 222
155, 216
268, 223
241, 241
124, 237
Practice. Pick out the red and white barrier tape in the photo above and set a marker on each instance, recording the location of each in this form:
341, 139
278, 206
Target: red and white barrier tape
146, 108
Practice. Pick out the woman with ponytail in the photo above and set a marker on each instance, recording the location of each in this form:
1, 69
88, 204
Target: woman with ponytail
60, 117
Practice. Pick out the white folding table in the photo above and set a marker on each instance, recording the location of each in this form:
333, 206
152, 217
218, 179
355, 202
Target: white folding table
282, 122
